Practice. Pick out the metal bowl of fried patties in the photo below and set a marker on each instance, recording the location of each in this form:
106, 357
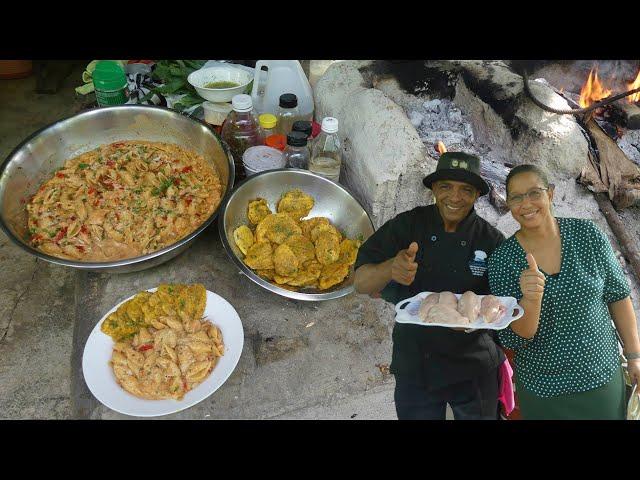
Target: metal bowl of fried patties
276, 235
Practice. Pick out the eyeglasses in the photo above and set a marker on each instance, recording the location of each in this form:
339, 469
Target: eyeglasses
533, 195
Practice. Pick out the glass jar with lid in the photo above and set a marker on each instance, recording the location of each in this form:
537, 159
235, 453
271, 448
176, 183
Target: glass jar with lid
297, 153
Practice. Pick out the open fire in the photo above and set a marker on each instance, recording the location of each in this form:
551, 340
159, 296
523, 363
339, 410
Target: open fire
595, 90
632, 86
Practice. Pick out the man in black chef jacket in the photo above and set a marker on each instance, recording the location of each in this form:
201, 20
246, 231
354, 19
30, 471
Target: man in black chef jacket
436, 248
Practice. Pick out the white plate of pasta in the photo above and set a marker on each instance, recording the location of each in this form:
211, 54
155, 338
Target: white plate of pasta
103, 374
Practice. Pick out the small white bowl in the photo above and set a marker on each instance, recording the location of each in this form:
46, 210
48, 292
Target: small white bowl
201, 77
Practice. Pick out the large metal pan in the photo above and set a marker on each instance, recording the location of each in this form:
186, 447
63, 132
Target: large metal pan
331, 200
36, 158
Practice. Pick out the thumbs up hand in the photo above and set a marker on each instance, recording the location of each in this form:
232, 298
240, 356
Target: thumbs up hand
532, 281
404, 267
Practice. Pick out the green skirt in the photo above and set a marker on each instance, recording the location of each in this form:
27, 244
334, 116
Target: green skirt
603, 403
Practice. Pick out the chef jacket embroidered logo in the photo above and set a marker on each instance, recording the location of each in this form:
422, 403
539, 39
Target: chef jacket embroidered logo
478, 265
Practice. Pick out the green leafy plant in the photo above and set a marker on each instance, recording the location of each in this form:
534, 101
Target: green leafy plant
173, 76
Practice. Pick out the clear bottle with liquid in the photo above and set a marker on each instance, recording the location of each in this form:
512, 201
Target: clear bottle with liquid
326, 154
288, 113
296, 154
241, 130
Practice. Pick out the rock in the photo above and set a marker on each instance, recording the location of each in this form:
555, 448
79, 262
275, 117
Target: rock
330, 92
504, 115
384, 160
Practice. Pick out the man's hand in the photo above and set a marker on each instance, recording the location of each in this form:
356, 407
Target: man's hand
404, 268
532, 281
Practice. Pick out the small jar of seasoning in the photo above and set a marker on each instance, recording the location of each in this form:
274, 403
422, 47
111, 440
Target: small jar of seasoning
268, 123
297, 153
260, 158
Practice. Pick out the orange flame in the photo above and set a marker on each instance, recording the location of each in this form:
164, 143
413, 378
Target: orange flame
441, 148
593, 90
632, 86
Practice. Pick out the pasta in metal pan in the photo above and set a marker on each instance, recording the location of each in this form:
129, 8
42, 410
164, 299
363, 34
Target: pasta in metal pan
122, 200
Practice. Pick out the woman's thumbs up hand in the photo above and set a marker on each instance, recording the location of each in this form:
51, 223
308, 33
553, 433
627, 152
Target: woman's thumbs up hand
532, 281
404, 267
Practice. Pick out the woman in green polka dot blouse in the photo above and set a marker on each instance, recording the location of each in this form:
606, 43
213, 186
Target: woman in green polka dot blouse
570, 284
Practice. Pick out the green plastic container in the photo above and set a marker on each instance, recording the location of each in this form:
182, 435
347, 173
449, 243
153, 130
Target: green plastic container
110, 83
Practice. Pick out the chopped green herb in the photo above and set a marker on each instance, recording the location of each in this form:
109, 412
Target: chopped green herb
182, 303
82, 166
163, 187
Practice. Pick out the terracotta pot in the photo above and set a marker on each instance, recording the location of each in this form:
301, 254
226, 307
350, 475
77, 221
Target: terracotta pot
15, 68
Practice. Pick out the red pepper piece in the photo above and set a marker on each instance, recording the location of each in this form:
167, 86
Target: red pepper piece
60, 235
187, 169
60, 175
145, 347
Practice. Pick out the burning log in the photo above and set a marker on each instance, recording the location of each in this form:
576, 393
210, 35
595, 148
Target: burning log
628, 114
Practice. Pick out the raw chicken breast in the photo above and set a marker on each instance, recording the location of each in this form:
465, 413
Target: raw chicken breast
449, 299
491, 309
441, 313
469, 306
428, 302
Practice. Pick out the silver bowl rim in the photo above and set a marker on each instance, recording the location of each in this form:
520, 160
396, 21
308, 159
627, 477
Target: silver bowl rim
127, 261
312, 297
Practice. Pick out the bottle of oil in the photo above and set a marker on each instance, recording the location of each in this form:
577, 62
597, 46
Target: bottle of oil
326, 155
241, 130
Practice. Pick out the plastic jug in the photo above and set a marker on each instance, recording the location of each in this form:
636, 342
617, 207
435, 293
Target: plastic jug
281, 76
